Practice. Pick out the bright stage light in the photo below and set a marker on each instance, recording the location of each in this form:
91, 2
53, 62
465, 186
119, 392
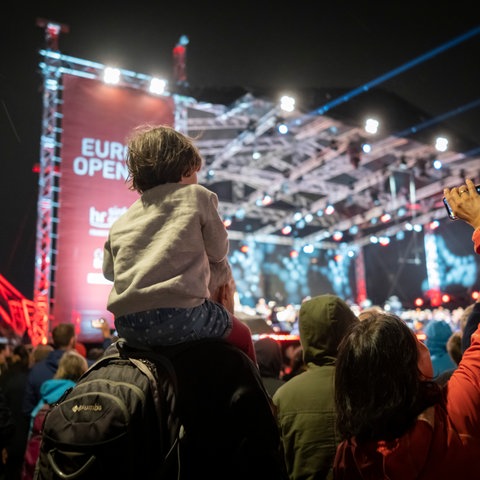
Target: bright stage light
287, 104
371, 125
157, 86
111, 76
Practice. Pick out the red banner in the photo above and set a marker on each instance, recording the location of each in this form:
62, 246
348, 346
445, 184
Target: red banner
93, 190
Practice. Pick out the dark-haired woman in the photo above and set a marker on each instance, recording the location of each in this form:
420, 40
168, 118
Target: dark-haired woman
395, 422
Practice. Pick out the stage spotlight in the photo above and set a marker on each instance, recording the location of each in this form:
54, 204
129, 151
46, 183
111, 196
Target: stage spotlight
266, 199
111, 75
418, 302
441, 144
437, 164
287, 104
157, 86
329, 209
337, 236
384, 241
371, 125
308, 248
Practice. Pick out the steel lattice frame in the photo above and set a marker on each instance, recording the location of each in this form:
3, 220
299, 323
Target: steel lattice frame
47, 198
302, 171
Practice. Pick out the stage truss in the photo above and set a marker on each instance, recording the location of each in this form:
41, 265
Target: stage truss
265, 180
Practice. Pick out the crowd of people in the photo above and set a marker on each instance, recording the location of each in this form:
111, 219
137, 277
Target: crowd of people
33, 377
363, 396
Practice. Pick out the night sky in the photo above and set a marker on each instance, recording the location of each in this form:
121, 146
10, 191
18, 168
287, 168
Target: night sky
240, 44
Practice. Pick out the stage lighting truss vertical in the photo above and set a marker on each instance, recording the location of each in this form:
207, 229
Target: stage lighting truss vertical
47, 197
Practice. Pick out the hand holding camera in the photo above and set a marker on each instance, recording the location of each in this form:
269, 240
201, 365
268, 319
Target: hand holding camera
464, 202
104, 326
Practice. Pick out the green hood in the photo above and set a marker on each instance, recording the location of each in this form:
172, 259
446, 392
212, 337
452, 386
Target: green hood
323, 322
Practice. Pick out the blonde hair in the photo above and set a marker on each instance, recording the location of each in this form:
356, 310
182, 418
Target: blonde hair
71, 366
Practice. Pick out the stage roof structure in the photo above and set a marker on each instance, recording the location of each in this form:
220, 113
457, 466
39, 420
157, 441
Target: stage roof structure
312, 184
271, 183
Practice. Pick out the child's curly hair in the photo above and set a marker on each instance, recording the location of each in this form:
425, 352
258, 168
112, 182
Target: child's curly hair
159, 154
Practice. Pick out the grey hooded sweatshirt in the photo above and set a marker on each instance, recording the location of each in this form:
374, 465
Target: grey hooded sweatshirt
305, 405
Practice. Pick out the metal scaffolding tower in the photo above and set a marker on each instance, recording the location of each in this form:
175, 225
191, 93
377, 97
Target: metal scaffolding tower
47, 219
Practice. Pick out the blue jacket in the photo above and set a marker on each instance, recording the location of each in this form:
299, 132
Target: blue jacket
43, 370
438, 332
51, 391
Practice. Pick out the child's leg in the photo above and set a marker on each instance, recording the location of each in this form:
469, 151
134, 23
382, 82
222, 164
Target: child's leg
171, 326
241, 337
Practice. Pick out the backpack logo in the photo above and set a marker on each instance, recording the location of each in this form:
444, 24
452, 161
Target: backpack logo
92, 408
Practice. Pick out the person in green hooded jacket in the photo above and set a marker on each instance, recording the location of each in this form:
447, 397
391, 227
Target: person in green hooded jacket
305, 404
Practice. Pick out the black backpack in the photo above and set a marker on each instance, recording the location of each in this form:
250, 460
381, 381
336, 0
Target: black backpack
209, 417
118, 421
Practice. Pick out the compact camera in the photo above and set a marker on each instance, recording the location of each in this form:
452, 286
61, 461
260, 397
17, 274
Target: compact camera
449, 210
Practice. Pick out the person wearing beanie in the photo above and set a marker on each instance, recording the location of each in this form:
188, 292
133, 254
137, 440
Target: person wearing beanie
305, 405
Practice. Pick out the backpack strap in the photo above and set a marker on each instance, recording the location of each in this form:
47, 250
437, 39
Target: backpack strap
164, 386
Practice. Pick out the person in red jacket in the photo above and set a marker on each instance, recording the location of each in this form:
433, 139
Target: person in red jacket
394, 421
